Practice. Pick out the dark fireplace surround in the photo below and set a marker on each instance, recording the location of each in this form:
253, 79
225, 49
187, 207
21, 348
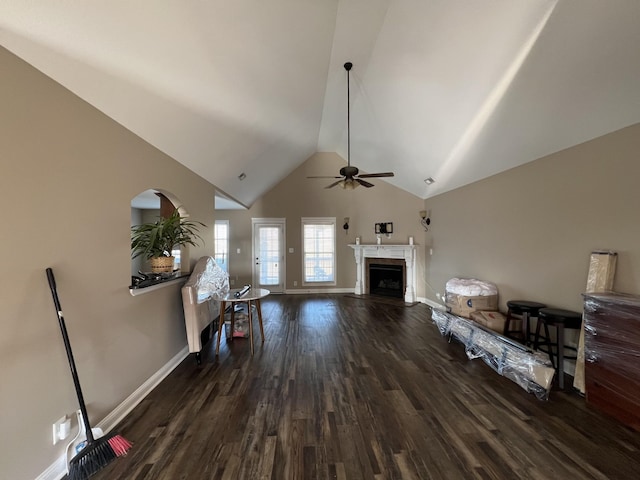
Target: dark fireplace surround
386, 277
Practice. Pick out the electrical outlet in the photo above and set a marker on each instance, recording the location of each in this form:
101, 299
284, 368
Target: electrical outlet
61, 429
232, 281
295, 283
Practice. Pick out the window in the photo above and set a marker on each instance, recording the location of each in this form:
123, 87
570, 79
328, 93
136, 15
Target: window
176, 253
319, 250
221, 244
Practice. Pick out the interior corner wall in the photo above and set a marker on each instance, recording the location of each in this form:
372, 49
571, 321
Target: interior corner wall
531, 229
297, 196
68, 176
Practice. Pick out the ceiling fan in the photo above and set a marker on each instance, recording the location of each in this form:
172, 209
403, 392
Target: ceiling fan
349, 176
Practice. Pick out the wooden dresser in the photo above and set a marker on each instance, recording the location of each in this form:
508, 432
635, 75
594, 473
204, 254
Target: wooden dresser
612, 355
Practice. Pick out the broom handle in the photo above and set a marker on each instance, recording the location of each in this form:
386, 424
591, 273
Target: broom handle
67, 346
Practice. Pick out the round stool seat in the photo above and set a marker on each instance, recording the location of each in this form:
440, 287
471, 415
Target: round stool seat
520, 306
554, 316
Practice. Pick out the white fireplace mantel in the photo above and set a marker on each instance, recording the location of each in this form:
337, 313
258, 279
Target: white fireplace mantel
406, 252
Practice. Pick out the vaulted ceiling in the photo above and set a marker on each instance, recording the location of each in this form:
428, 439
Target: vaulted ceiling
456, 90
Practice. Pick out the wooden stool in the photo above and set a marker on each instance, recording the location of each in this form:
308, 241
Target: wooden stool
561, 319
526, 310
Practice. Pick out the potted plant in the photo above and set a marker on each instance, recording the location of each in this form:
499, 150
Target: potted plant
155, 241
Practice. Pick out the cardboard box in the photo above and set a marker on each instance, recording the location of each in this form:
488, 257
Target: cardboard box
602, 268
463, 306
492, 320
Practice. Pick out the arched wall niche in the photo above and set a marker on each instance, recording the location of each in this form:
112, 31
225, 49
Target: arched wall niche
147, 206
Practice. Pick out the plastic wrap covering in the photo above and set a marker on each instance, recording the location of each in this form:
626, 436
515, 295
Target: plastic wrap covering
530, 370
467, 295
602, 269
612, 354
199, 299
470, 287
209, 279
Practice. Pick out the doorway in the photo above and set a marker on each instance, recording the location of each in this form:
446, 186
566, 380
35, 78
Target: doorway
268, 253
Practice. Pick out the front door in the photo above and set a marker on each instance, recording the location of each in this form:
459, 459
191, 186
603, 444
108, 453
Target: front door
268, 253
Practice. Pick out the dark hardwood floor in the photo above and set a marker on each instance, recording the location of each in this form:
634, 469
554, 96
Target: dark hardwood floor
347, 388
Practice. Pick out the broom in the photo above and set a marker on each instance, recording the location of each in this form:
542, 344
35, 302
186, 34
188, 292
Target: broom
97, 453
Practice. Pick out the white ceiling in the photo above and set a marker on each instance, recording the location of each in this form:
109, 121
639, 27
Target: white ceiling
457, 90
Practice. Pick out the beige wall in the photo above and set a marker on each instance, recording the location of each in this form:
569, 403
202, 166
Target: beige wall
68, 176
297, 196
531, 229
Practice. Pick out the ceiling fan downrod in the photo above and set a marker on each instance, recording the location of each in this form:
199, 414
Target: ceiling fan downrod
350, 177
347, 67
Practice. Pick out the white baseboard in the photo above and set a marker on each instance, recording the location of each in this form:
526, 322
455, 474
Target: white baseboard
432, 304
122, 410
318, 290
58, 469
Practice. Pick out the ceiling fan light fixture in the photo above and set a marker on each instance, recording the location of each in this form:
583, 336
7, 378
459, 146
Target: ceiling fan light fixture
348, 184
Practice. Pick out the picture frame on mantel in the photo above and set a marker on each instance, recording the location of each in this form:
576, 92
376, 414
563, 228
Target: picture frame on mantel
384, 228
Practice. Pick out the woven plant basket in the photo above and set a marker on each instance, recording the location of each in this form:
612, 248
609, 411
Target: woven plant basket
161, 264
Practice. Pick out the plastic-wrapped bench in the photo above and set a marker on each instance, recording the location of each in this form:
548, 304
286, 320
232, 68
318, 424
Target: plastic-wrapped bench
531, 370
207, 282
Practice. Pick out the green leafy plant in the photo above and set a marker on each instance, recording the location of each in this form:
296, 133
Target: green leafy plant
158, 239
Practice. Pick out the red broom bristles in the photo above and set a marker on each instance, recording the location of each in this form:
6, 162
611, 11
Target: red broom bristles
119, 445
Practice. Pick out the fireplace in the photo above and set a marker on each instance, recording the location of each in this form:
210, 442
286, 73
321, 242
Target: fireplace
386, 277
402, 255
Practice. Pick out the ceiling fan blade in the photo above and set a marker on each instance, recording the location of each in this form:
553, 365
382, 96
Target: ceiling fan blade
323, 177
376, 175
363, 183
333, 184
